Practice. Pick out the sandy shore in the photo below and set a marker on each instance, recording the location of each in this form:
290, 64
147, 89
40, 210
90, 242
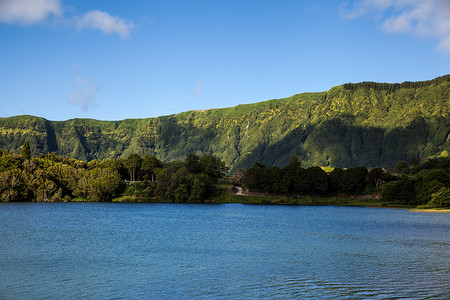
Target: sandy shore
431, 210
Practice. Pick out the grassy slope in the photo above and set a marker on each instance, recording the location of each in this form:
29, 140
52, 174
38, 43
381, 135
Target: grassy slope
343, 127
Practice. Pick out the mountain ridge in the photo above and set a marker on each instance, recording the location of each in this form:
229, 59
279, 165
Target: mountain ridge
367, 123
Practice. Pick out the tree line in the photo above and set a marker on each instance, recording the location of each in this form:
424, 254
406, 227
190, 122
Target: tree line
426, 183
49, 177
295, 180
392, 87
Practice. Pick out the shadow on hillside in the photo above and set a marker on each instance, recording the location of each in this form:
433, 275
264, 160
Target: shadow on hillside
339, 143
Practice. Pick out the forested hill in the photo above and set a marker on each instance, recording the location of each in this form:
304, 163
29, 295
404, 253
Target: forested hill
369, 124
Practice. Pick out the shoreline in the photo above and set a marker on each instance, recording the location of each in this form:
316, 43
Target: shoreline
280, 200
431, 210
349, 202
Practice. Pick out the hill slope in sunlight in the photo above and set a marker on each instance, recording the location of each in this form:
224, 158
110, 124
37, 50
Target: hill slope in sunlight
370, 124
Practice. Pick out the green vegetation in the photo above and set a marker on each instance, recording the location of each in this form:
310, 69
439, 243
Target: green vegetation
272, 148
294, 180
426, 186
51, 178
366, 124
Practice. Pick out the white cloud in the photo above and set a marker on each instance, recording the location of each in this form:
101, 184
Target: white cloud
28, 12
84, 96
364, 7
99, 20
198, 88
426, 18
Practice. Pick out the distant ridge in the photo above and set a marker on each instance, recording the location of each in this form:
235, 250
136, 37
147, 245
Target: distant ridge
396, 86
368, 123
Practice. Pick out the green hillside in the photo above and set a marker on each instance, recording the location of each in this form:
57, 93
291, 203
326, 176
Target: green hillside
370, 124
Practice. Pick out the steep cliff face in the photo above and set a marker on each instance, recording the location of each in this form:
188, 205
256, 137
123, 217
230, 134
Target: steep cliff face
371, 124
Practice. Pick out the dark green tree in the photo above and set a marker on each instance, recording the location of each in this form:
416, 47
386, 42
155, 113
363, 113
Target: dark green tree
257, 178
26, 150
180, 186
336, 178
293, 173
149, 165
441, 198
276, 176
163, 182
303, 183
12, 186
399, 192
434, 163
402, 167
202, 188
213, 167
354, 180
318, 179
430, 184
376, 177
133, 164
192, 163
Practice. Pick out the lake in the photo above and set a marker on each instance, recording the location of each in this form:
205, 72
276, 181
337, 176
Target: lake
227, 251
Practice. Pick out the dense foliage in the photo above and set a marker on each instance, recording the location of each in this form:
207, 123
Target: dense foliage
366, 124
422, 184
426, 184
293, 179
51, 177
392, 87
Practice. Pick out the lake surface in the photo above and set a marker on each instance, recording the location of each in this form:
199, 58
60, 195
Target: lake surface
229, 251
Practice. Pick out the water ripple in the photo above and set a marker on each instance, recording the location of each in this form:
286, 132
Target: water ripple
107, 251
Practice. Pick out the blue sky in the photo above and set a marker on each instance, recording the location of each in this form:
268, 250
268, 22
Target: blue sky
113, 60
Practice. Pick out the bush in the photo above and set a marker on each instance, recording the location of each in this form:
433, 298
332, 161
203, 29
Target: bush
402, 167
441, 198
140, 189
430, 184
399, 192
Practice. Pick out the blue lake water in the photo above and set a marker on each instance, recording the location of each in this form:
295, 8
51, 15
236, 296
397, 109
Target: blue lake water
230, 251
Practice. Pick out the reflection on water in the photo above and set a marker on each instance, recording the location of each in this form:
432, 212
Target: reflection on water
107, 251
